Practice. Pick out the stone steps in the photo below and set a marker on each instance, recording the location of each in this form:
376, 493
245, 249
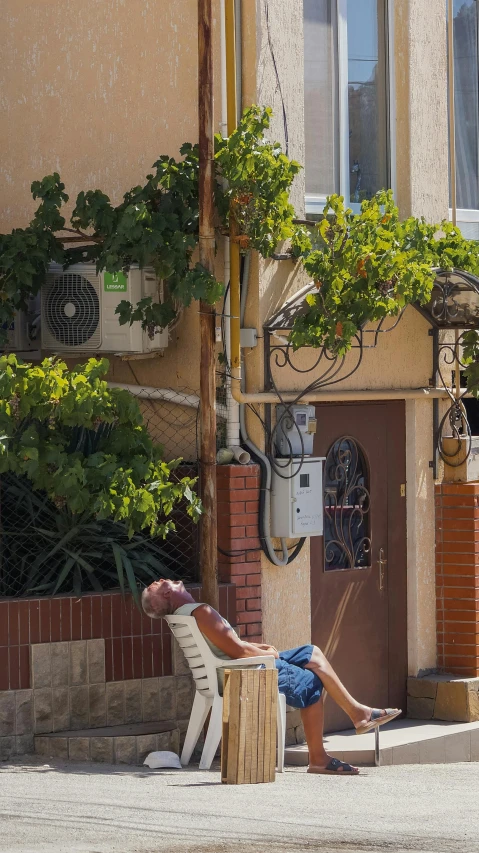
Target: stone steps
127, 744
401, 742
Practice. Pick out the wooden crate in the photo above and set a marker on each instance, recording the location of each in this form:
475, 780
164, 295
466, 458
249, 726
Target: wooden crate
250, 707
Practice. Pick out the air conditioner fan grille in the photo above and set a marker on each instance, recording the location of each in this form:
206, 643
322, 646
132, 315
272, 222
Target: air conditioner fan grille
72, 310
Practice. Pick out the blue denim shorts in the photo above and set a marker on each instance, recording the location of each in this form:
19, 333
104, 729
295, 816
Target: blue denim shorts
300, 686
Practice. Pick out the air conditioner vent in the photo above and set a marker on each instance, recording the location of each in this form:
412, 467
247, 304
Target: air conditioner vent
72, 311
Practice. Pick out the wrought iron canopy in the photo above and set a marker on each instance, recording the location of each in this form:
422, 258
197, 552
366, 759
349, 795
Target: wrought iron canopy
454, 302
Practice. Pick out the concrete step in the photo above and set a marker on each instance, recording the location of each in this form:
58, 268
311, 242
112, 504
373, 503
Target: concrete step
401, 742
128, 744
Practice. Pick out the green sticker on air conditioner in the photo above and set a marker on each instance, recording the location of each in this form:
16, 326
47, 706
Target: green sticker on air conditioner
115, 282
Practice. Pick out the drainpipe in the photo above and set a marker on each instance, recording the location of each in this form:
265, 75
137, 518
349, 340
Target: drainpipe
233, 419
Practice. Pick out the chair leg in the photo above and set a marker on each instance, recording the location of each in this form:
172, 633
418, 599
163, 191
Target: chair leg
281, 730
214, 734
199, 712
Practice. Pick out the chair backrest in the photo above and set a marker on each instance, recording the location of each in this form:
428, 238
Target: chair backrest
201, 660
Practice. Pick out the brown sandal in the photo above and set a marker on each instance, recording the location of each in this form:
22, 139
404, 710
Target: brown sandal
378, 718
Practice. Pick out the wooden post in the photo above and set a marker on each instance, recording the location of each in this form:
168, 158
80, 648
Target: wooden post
208, 531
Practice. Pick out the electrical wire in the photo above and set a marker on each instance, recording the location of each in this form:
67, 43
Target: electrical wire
278, 81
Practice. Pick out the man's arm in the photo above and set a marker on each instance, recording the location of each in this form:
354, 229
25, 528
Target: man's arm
212, 626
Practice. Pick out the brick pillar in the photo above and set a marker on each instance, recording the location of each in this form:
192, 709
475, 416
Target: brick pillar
457, 577
239, 557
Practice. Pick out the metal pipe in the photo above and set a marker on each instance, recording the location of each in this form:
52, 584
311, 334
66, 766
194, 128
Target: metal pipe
339, 396
234, 244
208, 530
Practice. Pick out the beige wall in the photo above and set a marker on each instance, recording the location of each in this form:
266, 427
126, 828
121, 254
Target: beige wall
421, 108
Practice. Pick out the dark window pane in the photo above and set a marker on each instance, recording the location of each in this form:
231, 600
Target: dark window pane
367, 92
347, 543
466, 69
320, 98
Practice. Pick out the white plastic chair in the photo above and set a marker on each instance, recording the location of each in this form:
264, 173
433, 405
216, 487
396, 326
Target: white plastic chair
204, 666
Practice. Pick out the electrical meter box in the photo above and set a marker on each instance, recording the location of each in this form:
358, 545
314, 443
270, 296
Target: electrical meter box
297, 502
295, 430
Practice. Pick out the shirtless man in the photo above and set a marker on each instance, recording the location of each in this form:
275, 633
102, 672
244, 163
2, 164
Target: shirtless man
302, 672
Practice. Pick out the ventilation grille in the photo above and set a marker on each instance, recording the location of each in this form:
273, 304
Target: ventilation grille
71, 312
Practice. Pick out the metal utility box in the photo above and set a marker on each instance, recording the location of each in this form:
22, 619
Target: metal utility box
295, 429
297, 502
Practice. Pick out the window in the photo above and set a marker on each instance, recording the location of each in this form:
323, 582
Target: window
347, 542
346, 100
466, 95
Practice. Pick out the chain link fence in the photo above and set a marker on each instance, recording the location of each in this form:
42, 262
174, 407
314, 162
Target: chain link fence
35, 538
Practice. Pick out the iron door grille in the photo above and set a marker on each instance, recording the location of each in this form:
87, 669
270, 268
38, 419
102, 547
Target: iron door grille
71, 312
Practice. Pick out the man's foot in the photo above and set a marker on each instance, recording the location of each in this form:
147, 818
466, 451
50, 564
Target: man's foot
376, 717
334, 767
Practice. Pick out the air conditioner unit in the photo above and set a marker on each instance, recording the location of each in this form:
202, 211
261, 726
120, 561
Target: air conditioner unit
78, 310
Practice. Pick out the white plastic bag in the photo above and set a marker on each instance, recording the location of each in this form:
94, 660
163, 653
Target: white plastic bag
156, 760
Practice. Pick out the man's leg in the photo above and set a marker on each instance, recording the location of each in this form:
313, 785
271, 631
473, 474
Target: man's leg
359, 714
313, 722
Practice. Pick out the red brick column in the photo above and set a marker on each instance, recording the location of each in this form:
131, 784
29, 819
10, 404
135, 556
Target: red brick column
457, 577
239, 556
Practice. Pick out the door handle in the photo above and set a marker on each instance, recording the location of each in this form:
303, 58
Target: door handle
382, 563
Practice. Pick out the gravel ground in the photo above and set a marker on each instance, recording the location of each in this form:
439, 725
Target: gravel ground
69, 807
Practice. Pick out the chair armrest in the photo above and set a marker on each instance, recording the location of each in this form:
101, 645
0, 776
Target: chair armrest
266, 660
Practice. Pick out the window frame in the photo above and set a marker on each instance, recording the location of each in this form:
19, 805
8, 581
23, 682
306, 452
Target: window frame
314, 203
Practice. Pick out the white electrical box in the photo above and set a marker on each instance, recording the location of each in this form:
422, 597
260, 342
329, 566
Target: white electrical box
295, 429
297, 502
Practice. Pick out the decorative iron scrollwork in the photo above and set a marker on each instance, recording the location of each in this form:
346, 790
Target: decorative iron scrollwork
347, 543
455, 423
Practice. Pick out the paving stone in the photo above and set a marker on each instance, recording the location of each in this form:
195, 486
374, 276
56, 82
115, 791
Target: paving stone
60, 657
78, 663
422, 688
458, 747
96, 661
419, 708
475, 745
180, 665
125, 750
185, 693
41, 666
175, 741
407, 753
79, 748
146, 744
433, 751
452, 702
150, 699
168, 693
61, 709
293, 718
290, 739
473, 698
58, 747
52, 747
42, 710
115, 703
79, 707
97, 701
7, 748
24, 712
133, 712
24, 745
165, 742
101, 749
7, 713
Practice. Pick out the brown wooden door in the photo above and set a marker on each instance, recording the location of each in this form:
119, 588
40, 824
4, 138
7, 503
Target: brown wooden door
358, 604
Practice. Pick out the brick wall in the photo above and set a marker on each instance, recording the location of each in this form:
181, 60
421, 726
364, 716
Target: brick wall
239, 557
457, 577
135, 646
